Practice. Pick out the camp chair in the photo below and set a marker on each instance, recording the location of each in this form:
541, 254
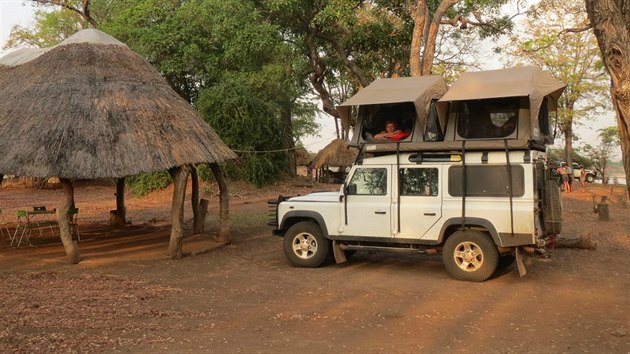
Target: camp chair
23, 224
4, 227
73, 214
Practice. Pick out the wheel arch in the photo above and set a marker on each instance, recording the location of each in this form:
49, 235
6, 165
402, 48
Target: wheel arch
454, 224
293, 217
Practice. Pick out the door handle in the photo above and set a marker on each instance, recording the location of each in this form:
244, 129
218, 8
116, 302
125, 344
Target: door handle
380, 212
429, 214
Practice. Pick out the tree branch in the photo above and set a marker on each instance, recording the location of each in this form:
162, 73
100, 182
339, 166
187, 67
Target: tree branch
83, 12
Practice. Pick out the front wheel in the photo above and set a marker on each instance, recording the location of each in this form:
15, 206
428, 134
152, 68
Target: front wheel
305, 246
470, 255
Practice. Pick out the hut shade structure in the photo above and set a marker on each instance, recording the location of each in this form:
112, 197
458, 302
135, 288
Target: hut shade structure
92, 108
409, 102
338, 153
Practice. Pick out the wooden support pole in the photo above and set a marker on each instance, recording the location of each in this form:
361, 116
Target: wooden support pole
180, 179
194, 200
1, 179
70, 246
118, 218
224, 204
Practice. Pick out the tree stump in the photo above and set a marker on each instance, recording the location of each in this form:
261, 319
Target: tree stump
602, 209
118, 217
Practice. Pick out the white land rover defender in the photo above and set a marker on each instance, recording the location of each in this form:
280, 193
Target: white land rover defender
478, 190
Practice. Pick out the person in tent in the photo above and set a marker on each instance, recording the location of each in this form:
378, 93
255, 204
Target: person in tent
391, 132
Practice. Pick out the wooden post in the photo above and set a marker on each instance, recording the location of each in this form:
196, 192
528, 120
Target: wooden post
180, 178
224, 203
1, 178
198, 221
118, 217
70, 246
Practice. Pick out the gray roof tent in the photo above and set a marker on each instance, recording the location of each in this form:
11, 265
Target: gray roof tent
537, 91
516, 98
385, 98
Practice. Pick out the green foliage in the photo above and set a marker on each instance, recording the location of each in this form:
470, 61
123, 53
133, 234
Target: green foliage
51, 27
600, 155
145, 183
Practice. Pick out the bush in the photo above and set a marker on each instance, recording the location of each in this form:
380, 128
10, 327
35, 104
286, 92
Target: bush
143, 184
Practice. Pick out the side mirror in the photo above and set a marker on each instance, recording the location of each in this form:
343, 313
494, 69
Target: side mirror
351, 189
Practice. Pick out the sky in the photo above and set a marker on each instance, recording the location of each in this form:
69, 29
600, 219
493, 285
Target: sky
16, 12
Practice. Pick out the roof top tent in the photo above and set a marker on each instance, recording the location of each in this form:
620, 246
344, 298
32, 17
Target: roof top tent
488, 110
490, 107
410, 102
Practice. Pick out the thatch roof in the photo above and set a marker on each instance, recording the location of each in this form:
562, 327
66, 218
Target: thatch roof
302, 157
92, 108
336, 154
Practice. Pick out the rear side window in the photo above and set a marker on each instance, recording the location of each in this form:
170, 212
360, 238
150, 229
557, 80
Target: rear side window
418, 181
486, 181
370, 181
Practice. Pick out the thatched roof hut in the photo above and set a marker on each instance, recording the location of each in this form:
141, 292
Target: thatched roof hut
92, 108
302, 157
336, 154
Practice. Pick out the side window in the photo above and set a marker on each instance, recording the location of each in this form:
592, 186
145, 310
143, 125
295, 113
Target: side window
486, 181
369, 181
418, 181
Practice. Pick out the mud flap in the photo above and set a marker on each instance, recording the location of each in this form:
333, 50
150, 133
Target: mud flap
519, 262
340, 255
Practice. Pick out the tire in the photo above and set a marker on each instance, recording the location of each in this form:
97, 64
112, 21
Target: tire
470, 256
304, 245
552, 209
590, 178
505, 261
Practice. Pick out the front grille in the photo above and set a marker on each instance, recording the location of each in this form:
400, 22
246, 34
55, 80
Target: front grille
272, 211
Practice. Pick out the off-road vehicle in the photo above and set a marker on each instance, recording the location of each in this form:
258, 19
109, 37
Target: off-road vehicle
480, 196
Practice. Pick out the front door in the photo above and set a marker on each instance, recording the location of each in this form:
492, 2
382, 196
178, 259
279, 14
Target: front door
420, 200
369, 204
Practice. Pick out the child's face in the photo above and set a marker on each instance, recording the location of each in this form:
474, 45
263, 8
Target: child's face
390, 127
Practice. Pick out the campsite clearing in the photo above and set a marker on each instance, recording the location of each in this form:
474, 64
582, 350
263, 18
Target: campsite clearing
127, 296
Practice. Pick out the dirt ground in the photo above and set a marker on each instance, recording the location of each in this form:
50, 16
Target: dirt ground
126, 296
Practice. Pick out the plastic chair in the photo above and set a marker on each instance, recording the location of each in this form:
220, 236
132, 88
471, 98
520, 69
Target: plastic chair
23, 224
4, 227
73, 214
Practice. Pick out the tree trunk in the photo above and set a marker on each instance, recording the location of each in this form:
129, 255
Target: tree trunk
1, 178
419, 16
198, 221
285, 115
224, 202
568, 144
180, 179
65, 233
119, 218
610, 25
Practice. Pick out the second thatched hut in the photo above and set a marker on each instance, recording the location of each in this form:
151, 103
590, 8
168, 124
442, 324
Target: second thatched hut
331, 162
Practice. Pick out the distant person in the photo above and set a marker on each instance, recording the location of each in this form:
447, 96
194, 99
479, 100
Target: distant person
564, 174
583, 178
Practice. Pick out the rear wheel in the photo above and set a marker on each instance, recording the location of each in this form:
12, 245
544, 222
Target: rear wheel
305, 246
470, 255
590, 178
